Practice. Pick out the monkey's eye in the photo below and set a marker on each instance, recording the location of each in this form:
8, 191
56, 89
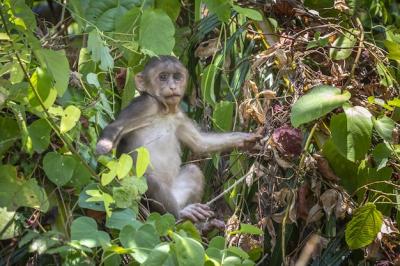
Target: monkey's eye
177, 76
163, 76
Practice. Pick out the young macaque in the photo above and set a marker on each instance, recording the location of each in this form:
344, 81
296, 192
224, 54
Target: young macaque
155, 121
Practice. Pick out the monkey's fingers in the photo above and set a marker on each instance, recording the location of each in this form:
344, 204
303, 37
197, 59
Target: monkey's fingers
204, 210
188, 214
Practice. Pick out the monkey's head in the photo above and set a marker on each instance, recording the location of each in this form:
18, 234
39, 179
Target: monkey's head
164, 77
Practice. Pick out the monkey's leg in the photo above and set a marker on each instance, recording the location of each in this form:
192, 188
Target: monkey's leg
188, 189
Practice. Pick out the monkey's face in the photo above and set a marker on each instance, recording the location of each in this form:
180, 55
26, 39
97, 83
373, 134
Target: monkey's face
167, 80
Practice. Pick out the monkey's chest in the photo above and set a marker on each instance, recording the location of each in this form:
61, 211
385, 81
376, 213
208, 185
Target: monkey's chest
163, 145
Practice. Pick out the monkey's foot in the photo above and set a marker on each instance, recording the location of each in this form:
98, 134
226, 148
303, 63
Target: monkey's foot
104, 146
196, 212
212, 224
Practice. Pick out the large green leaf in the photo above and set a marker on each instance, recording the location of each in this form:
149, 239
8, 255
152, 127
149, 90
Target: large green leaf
156, 33
39, 132
84, 230
59, 168
16, 192
364, 226
121, 218
104, 13
142, 241
222, 116
100, 52
42, 82
57, 64
248, 12
83, 197
171, 7
353, 175
342, 46
128, 22
384, 126
189, 252
8, 133
351, 132
158, 256
317, 103
222, 8
394, 50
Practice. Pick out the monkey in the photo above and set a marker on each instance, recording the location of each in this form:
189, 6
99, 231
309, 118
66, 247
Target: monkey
154, 120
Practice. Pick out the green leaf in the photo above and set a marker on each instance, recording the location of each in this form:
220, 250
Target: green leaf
57, 64
84, 230
42, 83
125, 163
58, 168
9, 133
189, 251
222, 116
248, 12
100, 52
70, 118
103, 14
17, 192
128, 22
351, 132
317, 103
222, 8
162, 223
171, 7
125, 196
248, 229
342, 46
381, 155
9, 228
91, 78
394, 50
238, 252
217, 242
364, 226
158, 256
83, 197
109, 176
207, 84
156, 21
384, 126
142, 161
39, 132
121, 218
385, 75
142, 241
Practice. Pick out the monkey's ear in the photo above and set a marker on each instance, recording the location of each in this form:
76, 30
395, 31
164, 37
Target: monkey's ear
140, 82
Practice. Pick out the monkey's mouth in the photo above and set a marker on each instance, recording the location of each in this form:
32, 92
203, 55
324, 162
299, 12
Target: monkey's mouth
172, 96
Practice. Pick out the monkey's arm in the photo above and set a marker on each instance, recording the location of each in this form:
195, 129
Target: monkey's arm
137, 114
201, 142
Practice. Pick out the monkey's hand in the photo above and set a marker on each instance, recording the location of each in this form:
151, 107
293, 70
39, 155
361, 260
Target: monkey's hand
250, 141
196, 212
104, 146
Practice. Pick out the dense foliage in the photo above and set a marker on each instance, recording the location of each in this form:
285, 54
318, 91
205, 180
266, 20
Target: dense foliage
319, 80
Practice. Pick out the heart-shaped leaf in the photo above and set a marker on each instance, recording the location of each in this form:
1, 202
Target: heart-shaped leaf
364, 226
142, 161
384, 126
59, 168
189, 251
351, 132
70, 118
342, 46
39, 132
317, 103
84, 230
125, 163
156, 20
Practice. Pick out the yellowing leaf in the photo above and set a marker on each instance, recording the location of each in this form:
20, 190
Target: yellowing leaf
70, 118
